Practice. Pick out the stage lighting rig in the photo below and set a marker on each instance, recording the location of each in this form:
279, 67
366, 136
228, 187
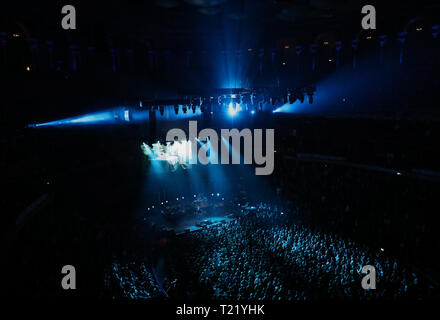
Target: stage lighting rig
291, 98
310, 95
211, 106
310, 92
232, 100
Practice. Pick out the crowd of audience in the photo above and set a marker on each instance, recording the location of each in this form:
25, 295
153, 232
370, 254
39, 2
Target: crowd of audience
381, 209
263, 256
132, 281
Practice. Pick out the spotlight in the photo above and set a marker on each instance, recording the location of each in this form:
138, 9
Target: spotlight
127, 115
233, 109
176, 109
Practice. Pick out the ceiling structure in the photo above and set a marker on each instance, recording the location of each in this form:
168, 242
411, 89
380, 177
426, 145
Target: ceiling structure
189, 23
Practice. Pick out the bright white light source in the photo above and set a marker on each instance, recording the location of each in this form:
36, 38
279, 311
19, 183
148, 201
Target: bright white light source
127, 115
233, 111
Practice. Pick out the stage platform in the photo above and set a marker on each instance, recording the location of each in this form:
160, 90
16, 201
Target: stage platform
206, 223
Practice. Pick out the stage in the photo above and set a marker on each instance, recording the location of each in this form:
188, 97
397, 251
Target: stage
183, 217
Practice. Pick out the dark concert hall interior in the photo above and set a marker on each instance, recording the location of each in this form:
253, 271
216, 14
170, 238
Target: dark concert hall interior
264, 151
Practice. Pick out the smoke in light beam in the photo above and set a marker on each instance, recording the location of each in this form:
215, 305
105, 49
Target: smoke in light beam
118, 115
